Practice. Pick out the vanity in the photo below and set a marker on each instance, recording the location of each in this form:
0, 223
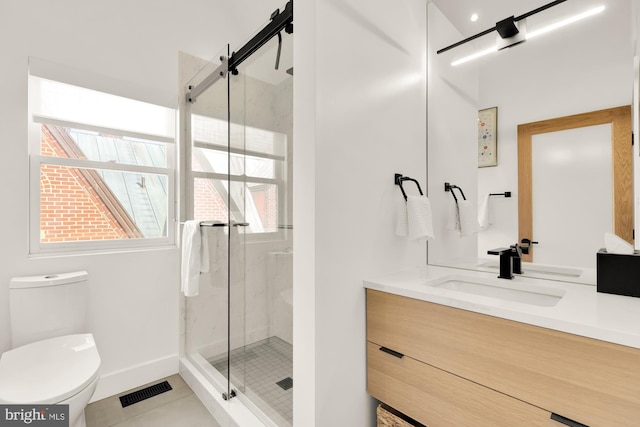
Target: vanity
452, 348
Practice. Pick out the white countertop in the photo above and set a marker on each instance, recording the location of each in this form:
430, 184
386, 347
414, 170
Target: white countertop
581, 310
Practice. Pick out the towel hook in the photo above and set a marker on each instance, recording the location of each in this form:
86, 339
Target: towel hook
505, 194
451, 187
399, 179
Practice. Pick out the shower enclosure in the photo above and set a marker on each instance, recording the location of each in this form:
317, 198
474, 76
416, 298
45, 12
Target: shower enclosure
239, 120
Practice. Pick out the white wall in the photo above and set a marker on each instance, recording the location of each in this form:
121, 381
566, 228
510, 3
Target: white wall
133, 47
360, 109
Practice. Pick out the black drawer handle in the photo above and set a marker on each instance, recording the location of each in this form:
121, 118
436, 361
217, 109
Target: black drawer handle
391, 352
566, 421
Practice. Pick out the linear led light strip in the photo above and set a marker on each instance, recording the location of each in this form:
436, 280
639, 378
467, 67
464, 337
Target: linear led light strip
534, 34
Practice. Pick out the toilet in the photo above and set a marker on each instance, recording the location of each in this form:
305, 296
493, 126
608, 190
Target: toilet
54, 360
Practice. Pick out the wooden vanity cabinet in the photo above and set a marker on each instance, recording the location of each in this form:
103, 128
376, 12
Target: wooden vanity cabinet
450, 367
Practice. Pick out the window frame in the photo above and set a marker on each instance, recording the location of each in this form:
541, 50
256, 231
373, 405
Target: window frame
279, 181
36, 160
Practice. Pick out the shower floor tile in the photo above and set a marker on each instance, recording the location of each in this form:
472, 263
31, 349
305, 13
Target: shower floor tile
260, 367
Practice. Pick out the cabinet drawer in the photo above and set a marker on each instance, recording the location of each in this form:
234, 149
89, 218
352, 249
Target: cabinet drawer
437, 398
590, 381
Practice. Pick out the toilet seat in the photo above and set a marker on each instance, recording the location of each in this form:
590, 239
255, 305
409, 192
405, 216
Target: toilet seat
48, 371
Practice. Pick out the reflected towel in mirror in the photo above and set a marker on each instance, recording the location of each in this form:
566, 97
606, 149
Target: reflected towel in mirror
484, 220
463, 218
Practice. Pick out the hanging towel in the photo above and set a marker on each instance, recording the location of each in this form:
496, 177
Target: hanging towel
463, 218
402, 225
204, 251
191, 258
484, 220
468, 216
454, 216
419, 218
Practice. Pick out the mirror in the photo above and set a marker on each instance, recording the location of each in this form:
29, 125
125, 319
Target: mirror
584, 67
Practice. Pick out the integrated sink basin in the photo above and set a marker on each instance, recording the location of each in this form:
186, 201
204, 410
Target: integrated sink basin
524, 293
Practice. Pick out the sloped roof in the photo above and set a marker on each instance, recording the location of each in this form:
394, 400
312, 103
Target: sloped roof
140, 197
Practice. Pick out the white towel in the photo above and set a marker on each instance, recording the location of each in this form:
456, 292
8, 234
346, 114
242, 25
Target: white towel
419, 218
463, 218
454, 216
402, 226
191, 258
468, 218
484, 220
204, 252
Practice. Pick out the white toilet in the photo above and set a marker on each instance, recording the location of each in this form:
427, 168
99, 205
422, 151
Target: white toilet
54, 360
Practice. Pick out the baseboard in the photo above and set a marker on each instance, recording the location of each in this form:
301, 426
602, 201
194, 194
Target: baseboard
117, 382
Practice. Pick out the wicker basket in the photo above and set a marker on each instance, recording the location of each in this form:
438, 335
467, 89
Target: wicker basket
388, 419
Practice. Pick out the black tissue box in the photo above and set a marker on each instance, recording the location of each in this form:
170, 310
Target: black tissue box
618, 273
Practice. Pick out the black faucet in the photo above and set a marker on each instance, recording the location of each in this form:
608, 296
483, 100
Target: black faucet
526, 245
510, 260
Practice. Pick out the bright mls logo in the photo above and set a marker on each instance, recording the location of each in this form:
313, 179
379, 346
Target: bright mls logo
34, 415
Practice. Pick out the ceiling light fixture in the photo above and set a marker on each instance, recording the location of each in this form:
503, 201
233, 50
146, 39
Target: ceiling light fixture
565, 22
474, 17
518, 36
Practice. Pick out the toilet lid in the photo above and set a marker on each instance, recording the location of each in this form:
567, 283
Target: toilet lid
48, 371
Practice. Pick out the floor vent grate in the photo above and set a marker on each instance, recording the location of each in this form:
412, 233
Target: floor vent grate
286, 383
145, 393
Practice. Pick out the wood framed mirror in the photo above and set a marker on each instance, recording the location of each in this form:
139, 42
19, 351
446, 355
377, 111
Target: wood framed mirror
621, 171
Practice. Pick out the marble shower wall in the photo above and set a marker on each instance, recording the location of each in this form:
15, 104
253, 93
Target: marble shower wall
280, 294
260, 295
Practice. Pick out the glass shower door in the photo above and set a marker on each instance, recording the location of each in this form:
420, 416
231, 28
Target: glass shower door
207, 315
239, 329
261, 125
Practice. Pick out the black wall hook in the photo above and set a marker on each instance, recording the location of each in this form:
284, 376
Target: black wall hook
399, 179
451, 187
505, 194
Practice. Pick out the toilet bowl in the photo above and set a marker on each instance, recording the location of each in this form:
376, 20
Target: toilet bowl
62, 370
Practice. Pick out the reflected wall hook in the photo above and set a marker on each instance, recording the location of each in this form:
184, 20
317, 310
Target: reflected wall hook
505, 194
398, 179
451, 187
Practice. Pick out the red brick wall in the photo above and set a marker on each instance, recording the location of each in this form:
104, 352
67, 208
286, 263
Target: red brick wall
265, 199
209, 206
70, 210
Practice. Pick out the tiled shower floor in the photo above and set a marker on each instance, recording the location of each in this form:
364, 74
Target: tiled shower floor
260, 367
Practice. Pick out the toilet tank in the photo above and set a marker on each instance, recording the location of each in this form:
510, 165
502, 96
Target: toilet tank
47, 306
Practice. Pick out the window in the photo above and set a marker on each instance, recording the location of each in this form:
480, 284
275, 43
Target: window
102, 170
247, 179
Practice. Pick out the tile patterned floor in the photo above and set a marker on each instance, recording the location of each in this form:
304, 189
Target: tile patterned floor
260, 367
179, 407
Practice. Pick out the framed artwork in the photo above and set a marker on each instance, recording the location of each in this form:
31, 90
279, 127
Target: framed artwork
488, 137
